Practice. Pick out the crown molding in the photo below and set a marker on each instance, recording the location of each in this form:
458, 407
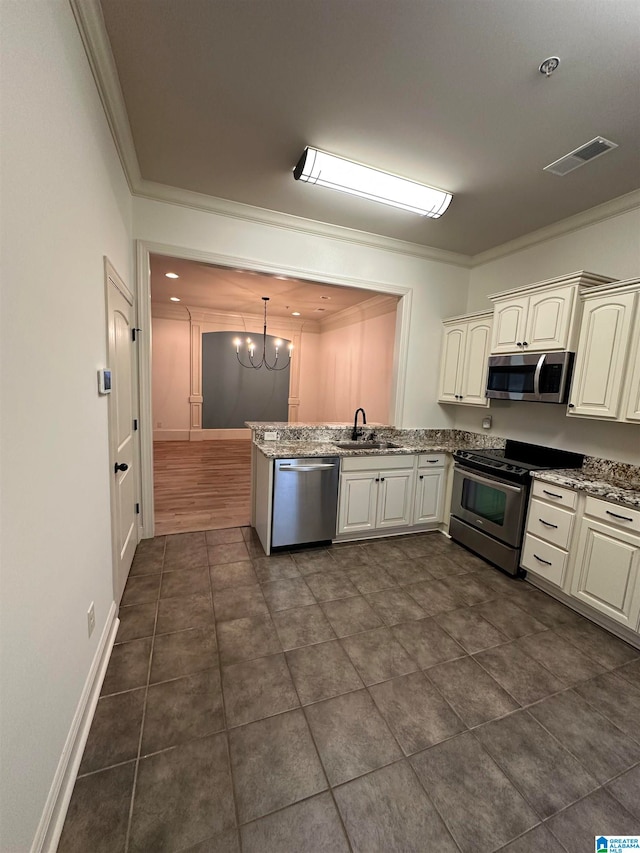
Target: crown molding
600, 213
90, 23
262, 216
368, 310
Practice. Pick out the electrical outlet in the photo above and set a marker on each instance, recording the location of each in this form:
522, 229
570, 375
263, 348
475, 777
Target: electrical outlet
486, 422
158, 424
91, 618
271, 436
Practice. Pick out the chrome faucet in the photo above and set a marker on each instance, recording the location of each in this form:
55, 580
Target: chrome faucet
356, 431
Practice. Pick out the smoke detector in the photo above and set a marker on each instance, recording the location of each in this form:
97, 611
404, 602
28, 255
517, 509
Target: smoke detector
574, 159
549, 65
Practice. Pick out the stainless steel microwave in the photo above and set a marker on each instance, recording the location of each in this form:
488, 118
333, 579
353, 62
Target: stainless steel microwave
542, 377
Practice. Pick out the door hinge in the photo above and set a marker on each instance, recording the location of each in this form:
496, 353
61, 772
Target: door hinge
137, 509
135, 424
134, 337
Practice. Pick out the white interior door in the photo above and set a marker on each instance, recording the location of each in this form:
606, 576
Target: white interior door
124, 531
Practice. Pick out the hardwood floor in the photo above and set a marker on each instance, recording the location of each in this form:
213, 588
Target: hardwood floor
201, 485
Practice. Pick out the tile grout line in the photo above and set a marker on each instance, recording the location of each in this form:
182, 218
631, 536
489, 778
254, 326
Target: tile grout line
224, 711
144, 710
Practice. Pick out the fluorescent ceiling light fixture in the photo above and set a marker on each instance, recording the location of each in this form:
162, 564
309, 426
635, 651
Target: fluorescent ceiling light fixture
172, 275
327, 170
295, 313
174, 299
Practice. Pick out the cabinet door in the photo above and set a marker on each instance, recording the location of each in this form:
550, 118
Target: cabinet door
548, 320
606, 571
451, 365
632, 408
395, 494
357, 503
473, 382
427, 506
509, 325
600, 360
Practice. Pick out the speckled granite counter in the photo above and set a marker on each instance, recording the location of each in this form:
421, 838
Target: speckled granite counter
306, 441
602, 478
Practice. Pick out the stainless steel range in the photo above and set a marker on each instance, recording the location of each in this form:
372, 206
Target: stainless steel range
490, 495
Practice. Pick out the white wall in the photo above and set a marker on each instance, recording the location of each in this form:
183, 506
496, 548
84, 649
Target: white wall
355, 363
171, 374
611, 248
438, 289
65, 204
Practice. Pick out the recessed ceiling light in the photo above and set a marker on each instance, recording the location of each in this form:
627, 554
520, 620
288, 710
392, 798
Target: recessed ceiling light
174, 299
172, 275
295, 313
325, 297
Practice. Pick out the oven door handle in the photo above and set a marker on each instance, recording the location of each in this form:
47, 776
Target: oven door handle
487, 478
536, 375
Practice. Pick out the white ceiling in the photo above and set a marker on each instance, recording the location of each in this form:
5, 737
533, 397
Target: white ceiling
240, 292
223, 95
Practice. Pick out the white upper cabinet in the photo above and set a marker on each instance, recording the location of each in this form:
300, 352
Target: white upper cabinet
465, 354
606, 380
539, 318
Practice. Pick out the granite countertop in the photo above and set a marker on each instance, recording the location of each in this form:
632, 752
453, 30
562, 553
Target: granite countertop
608, 489
308, 449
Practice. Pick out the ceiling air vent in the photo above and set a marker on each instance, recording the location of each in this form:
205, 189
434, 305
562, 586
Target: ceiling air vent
580, 156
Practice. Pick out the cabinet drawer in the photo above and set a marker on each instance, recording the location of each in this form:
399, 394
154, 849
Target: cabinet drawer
550, 523
555, 494
621, 516
431, 460
543, 559
377, 463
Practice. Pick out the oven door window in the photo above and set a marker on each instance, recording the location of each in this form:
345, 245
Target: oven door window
484, 500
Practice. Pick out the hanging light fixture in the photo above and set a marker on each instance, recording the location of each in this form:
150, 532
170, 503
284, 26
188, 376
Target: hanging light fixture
252, 349
328, 170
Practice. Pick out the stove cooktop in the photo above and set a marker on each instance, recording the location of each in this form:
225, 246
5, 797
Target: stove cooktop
517, 460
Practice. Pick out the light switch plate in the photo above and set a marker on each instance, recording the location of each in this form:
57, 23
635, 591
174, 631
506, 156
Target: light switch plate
271, 436
486, 422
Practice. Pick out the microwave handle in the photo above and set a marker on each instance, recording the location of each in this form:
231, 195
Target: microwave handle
536, 375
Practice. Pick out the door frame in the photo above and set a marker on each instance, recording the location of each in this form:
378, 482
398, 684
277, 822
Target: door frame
145, 248
112, 275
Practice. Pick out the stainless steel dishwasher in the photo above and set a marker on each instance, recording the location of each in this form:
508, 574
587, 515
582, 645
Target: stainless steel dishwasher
305, 500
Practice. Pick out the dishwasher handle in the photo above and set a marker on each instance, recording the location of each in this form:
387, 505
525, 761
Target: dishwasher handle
301, 468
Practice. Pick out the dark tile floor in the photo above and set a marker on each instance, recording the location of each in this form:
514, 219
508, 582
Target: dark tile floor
398, 695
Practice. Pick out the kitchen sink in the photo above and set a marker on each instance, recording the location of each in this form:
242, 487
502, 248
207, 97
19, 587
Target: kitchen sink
367, 445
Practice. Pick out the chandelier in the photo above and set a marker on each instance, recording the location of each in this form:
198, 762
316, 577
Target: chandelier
251, 347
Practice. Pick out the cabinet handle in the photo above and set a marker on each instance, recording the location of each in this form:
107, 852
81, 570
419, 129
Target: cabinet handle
525, 344
518, 343
377, 479
615, 515
548, 523
553, 494
571, 406
432, 461
422, 476
546, 562
382, 479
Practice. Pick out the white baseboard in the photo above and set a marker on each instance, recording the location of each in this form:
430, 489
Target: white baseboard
171, 435
55, 810
219, 434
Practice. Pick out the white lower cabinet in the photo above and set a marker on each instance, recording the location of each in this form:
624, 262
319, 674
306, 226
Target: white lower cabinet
375, 500
385, 492
607, 571
591, 553
429, 497
550, 521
